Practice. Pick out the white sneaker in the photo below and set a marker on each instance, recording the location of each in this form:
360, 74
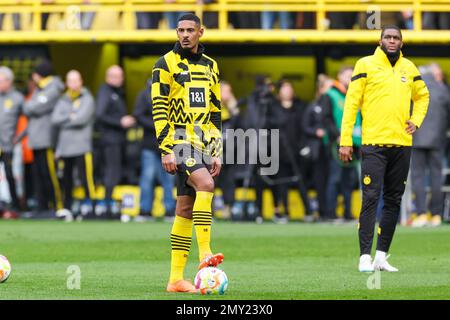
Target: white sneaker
85, 209
365, 263
125, 218
280, 219
381, 264
100, 209
142, 219
66, 214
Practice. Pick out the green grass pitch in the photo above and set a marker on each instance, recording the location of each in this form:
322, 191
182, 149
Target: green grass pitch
267, 261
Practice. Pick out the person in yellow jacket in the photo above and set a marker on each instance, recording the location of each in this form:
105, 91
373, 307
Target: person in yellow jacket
382, 87
187, 116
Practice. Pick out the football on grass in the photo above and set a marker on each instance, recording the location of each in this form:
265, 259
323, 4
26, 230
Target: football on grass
5, 269
211, 280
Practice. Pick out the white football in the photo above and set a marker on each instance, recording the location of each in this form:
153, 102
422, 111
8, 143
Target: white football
211, 280
5, 269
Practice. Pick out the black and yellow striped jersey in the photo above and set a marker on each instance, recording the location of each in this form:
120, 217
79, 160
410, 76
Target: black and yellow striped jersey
186, 101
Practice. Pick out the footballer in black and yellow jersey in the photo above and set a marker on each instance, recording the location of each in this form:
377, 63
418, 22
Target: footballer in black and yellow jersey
187, 117
186, 101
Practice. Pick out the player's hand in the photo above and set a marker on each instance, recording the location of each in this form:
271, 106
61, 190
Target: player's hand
216, 165
169, 163
411, 128
345, 154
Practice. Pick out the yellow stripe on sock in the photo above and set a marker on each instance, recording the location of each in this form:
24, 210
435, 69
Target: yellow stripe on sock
54, 179
180, 238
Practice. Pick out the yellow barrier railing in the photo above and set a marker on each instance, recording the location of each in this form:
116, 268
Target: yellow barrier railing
71, 10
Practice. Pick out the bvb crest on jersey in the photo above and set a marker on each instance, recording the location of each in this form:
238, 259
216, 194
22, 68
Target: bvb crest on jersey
190, 162
208, 72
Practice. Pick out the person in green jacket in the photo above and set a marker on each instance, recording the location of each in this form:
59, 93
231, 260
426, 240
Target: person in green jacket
343, 176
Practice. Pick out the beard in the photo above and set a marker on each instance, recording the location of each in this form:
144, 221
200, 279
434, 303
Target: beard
394, 54
186, 50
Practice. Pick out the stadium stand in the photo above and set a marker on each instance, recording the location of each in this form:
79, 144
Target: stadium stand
119, 16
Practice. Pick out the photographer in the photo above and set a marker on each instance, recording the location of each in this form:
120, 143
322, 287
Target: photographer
316, 124
231, 119
283, 112
259, 116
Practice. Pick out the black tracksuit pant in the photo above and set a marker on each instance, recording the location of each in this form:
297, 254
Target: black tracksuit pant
421, 160
112, 156
387, 167
226, 182
46, 182
6, 158
320, 172
84, 167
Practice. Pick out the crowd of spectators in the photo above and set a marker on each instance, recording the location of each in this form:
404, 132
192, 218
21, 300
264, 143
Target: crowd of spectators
77, 139
255, 20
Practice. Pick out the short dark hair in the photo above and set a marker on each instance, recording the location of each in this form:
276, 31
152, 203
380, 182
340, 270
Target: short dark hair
44, 69
390, 26
281, 82
190, 17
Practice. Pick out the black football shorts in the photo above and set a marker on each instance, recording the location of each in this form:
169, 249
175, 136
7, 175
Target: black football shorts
189, 160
